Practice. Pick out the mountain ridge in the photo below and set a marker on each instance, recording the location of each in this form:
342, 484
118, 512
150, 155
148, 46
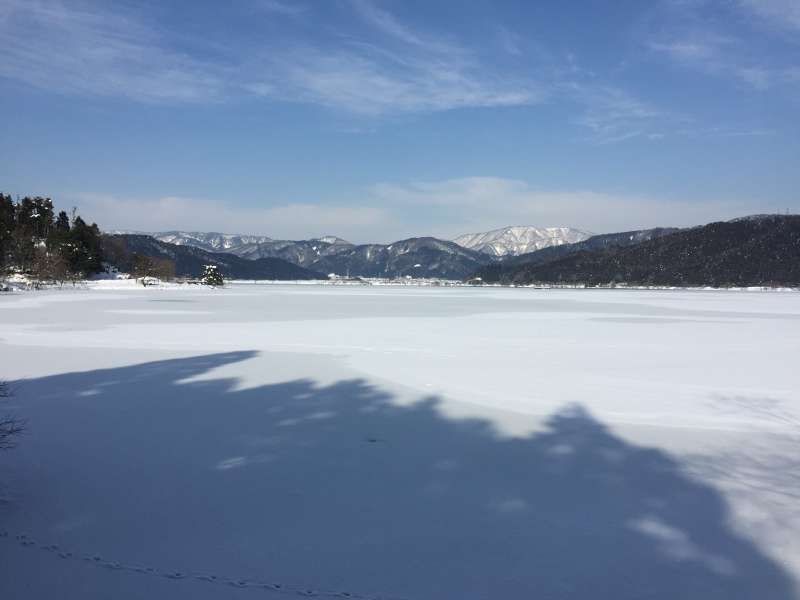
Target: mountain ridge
760, 251
414, 257
520, 239
189, 261
499, 271
558, 261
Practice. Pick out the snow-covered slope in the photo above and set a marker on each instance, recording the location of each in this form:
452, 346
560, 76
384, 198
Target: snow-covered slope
301, 252
418, 257
212, 241
277, 442
511, 241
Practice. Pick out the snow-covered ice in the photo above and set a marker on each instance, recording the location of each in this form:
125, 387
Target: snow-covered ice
401, 442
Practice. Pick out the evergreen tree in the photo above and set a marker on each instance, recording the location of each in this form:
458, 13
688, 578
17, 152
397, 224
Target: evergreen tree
211, 276
23, 241
62, 222
34, 241
7, 227
59, 239
35, 215
85, 255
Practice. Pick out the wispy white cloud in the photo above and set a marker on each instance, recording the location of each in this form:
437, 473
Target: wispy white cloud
611, 115
759, 78
481, 203
89, 48
387, 23
288, 221
372, 81
445, 208
423, 75
721, 132
396, 69
692, 47
78, 48
510, 41
686, 35
722, 56
94, 49
281, 7
781, 13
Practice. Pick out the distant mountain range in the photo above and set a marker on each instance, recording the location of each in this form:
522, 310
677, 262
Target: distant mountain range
508, 241
756, 250
415, 257
189, 260
752, 251
506, 271
210, 241
304, 253
513, 241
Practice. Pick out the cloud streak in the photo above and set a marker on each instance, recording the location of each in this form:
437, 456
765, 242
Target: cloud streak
611, 115
445, 209
483, 203
290, 9
394, 70
373, 82
722, 57
88, 48
287, 221
687, 36
784, 14
76, 48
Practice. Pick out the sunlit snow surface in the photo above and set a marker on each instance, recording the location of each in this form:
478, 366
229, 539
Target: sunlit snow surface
401, 442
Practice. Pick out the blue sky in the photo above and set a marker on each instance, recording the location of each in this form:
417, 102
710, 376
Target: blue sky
381, 119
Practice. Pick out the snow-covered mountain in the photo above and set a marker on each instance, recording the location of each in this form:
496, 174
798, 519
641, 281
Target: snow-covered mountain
511, 241
759, 251
211, 241
188, 260
301, 252
417, 257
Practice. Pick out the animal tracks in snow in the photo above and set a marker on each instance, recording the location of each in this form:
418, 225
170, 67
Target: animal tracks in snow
26, 541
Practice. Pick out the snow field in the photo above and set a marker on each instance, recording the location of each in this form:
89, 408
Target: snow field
401, 442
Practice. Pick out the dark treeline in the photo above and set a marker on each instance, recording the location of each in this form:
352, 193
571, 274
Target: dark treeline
36, 241
762, 250
50, 247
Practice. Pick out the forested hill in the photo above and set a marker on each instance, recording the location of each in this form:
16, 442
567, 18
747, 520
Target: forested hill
502, 271
36, 241
760, 250
414, 257
188, 261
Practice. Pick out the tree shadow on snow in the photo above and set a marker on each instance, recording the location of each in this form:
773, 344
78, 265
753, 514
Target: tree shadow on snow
338, 487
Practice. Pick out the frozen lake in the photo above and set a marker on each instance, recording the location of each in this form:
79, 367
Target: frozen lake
401, 442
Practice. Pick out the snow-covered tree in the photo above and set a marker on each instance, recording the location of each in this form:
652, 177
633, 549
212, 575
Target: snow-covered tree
211, 276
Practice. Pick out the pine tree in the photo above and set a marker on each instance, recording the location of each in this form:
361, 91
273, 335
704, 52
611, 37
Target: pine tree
62, 222
34, 241
211, 276
6, 229
85, 244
